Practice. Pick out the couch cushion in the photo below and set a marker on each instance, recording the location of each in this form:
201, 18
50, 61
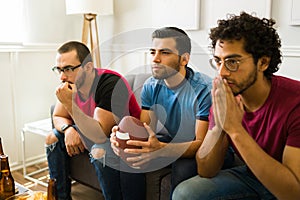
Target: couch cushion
136, 82
83, 171
158, 184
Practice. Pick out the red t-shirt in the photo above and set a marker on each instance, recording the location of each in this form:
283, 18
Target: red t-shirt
277, 123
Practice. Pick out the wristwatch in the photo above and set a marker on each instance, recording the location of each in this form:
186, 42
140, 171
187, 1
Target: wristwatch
65, 127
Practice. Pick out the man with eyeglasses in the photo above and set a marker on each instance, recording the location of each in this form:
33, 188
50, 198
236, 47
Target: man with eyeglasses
255, 111
67, 70
90, 102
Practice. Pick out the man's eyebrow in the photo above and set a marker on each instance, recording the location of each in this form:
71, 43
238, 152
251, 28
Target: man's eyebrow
67, 66
230, 56
160, 50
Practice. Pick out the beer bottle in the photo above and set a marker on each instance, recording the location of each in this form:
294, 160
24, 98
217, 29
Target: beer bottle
51, 190
7, 183
1, 148
1, 153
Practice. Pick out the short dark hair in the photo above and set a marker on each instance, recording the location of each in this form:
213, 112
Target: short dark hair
183, 42
259, 36
83, 52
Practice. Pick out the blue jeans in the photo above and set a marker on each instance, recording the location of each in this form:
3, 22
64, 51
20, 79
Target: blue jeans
185, 168
115, 180
58, 162
114, 183
233, 183
118, 185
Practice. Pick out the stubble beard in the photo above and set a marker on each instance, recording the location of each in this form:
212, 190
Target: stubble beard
80, 81
166, 72
247, 84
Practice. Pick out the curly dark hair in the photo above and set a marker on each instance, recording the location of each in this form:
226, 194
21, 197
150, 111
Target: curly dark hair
260, 38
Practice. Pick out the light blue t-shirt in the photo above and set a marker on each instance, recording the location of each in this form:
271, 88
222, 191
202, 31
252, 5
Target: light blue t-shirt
178, 108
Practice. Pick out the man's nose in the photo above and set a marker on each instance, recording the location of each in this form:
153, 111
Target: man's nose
63, 76
223, 71
156, 58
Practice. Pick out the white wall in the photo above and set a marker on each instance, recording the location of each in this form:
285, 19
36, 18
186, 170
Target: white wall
134, 15
27, 91
129, 29
27, 84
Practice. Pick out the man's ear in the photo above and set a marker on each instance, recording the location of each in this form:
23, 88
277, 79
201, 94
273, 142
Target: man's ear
185, 59
89, 66
263, 63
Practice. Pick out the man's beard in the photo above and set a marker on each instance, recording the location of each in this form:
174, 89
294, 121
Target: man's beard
166, 72
80, 81
246, 84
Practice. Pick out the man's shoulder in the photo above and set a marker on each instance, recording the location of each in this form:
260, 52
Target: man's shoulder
199, 79
109, 76
286, 80
286, 84
285, 87
151, 81
108, 72
152, 84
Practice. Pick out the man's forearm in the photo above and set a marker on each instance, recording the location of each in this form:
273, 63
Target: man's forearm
184, 150
60, 116
58, 122
88, 126
211, 153
263, 167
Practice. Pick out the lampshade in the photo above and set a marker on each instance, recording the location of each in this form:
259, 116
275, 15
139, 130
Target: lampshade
99, 7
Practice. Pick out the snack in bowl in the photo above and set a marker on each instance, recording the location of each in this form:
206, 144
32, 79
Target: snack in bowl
32, 195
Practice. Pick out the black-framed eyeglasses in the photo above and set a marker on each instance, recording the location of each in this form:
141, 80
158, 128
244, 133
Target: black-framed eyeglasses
231, 64
66, 70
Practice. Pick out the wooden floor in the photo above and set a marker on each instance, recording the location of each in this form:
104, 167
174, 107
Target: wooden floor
79, 191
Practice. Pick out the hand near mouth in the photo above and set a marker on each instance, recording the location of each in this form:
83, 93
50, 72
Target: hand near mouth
64, 92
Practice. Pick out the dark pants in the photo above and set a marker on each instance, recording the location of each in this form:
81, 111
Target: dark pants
118, 185
59, 166
182, 169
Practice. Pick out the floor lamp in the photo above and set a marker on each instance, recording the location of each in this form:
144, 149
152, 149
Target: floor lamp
90, 9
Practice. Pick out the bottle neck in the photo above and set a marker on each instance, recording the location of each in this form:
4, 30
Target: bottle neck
4, 165
1, 148
51, 192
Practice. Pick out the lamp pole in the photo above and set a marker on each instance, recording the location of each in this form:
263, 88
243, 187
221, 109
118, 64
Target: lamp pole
90, 28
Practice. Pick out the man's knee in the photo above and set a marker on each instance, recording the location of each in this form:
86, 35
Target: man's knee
51, 138
179, 193
97, 153
195, 188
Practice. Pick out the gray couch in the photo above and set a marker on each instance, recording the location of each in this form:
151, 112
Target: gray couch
82, 171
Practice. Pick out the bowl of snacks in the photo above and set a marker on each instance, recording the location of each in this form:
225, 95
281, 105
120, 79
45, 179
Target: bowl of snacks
29, 195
